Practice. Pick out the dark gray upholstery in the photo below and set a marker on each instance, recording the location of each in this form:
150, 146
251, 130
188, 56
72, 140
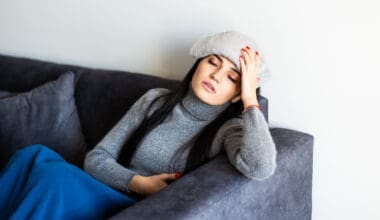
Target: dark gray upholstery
216, 190
45, 115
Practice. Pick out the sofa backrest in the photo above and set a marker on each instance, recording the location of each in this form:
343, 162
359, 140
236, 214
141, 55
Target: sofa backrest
102, 96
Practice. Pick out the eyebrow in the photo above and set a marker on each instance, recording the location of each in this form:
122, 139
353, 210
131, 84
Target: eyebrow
220, 59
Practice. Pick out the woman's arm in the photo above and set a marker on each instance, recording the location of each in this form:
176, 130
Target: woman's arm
101, 162
248, 144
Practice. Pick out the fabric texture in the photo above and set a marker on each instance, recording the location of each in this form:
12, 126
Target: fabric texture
38, 183
44, 115
214, 191
228, 44
217, 191
4, 94
247, 141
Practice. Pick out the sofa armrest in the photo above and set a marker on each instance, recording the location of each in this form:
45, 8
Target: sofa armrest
217, 190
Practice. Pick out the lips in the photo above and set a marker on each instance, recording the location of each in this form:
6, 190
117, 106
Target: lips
209, 85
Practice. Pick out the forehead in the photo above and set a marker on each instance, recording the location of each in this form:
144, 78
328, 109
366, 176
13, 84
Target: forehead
223, 59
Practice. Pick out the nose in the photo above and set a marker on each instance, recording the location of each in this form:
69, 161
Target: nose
216, 76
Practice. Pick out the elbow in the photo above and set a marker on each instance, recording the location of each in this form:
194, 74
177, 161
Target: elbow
88, 162
86, 165
262, 170
95, 162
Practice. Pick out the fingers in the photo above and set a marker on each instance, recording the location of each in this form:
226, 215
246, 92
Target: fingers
248, 53
177, 175
170, 176
167, 176
244, 60
242, 63
247, 57
256, 60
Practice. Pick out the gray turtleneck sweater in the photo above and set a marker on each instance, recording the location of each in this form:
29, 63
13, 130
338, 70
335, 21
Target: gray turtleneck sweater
246, 141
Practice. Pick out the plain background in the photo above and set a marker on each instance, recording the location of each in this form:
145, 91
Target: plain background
323, 57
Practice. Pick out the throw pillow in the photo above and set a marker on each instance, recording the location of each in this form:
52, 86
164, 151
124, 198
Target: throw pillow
44, 115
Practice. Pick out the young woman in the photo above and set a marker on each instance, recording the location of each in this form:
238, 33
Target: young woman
163, 135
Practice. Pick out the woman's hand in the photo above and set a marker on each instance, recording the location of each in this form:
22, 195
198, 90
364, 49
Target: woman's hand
250, 64
148, 185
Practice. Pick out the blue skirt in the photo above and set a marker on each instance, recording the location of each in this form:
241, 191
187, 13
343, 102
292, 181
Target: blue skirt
38, 183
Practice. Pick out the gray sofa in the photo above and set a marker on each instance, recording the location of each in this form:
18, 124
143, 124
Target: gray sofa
215, 190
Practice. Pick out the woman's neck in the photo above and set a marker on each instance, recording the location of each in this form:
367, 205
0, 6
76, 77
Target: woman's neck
200, 109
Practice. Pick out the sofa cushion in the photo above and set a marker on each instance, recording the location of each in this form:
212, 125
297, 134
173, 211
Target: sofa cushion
44, 115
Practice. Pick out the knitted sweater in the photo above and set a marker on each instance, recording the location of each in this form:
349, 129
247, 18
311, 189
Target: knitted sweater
246, 141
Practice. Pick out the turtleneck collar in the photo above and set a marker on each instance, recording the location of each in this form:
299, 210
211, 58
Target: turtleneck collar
200, 109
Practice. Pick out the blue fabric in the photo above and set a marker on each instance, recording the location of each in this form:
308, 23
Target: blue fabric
38, 183
46, 114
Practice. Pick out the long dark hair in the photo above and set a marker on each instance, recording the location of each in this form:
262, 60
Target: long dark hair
200, 151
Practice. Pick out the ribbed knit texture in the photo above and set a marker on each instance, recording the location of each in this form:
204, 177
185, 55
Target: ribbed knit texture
247, 141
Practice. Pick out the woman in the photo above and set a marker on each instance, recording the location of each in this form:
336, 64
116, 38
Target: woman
163, 135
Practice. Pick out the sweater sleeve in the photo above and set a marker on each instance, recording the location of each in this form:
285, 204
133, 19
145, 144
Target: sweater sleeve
248, 144
101, 162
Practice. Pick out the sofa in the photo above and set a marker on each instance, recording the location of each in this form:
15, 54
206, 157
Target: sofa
215, 190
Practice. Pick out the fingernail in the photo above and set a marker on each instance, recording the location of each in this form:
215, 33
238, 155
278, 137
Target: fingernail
177, 175
257, 52
248, 47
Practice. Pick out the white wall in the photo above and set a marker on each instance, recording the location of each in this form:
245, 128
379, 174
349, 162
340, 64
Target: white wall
322, 55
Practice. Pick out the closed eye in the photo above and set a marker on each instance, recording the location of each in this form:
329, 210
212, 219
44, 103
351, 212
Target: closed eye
211, 63
233, 80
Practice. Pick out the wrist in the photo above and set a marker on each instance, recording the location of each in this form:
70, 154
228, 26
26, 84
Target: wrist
249, 102
252, 105
250, 99
135, 183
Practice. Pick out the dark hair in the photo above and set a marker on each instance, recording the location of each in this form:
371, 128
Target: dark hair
200, 151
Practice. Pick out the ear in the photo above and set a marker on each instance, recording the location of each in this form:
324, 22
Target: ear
236, 98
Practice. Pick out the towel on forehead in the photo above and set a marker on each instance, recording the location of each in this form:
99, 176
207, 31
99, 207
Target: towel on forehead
228, 44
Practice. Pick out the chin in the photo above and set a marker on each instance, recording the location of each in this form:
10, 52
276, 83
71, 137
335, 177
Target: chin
210, 100
204, 96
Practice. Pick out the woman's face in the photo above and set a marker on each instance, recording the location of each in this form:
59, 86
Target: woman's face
222, 74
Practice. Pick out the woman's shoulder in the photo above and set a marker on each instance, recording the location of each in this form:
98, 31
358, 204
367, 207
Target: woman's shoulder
237, 123
229, 126
151, 94
158, 91
154, 98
